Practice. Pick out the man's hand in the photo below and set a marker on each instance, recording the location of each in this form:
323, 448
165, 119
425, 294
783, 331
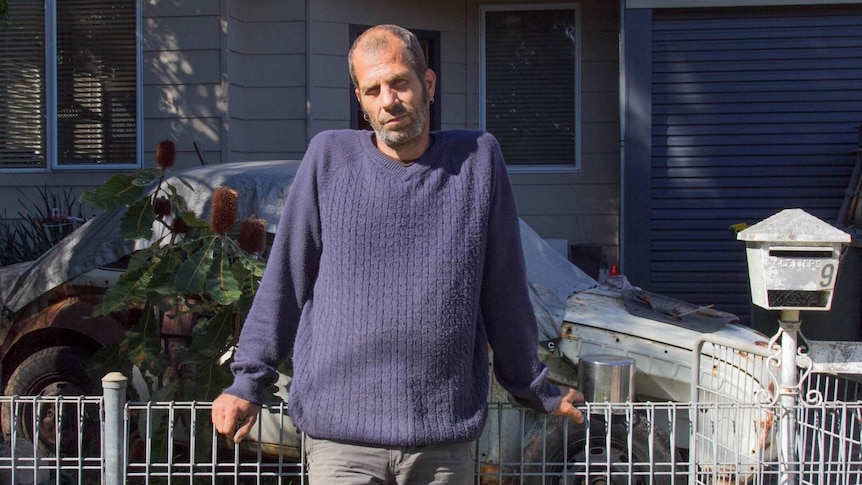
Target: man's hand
569, 396
234, 416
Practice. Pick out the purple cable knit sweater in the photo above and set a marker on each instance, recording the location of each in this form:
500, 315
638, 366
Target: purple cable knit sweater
389, 282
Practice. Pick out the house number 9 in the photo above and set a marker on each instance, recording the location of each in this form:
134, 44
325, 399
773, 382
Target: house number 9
827, 273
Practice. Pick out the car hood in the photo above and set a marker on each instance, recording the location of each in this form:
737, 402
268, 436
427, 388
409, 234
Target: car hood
262, 188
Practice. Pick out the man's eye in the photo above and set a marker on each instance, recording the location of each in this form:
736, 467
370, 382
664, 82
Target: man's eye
372, 92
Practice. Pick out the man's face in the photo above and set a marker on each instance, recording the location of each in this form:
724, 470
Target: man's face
393, 96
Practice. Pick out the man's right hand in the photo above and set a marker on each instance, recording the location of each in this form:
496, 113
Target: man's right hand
234, 416
569, 396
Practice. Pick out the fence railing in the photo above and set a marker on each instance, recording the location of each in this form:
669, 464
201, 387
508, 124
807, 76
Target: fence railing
65, 440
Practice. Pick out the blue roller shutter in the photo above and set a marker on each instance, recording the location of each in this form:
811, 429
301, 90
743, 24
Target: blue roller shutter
753, 111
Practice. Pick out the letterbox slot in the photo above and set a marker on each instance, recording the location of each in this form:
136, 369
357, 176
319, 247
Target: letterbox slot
797, 298
807, 254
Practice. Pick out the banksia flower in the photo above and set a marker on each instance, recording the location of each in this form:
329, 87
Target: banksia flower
224, 210
179, 226
252, 235
162, 207
166, 154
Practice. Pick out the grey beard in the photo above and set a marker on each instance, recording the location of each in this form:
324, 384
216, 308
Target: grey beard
399, 138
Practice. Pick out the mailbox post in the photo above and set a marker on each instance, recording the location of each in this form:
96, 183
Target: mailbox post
793, 260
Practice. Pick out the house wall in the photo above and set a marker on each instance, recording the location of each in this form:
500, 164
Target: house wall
184, 93
256, 79
266, 78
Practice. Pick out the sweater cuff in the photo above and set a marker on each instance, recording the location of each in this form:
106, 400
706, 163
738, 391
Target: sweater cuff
551, 399
245, 389
545, 400
540, 395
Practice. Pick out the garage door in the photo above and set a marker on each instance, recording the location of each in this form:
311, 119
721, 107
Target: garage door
753, 111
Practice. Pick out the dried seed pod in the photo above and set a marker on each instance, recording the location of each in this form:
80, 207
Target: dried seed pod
166, 154
224, 210
162, 207
179, 226
252, 235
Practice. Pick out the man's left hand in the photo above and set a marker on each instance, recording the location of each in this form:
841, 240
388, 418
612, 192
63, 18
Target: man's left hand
566, 406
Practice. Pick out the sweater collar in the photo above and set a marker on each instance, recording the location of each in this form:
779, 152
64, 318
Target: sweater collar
429, 159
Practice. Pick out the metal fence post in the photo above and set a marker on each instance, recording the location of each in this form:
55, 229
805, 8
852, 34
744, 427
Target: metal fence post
114, 396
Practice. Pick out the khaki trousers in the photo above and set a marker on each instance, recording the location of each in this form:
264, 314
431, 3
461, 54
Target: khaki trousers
337, 463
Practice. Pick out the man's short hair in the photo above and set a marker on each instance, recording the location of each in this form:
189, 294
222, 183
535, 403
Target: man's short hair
373, 40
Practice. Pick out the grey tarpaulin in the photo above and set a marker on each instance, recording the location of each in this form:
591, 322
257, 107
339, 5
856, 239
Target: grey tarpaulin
262, 188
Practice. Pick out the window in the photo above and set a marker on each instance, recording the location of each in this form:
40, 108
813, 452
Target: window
530, 84
69, 85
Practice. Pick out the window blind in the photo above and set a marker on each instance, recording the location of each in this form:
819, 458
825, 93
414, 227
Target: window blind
96, 82
530, 98
22, 86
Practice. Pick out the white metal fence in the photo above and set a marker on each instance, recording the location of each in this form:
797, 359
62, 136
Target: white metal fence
632, 443
723, 436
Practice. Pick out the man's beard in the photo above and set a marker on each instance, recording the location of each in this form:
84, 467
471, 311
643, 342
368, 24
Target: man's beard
403, 136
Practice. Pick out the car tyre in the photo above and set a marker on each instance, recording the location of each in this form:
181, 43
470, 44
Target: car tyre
54, 371
553, 451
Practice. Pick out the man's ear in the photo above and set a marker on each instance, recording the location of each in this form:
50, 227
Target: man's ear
430, 83
356, 93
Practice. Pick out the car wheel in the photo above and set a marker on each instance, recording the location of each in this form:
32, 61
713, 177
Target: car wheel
610, 461
55, 371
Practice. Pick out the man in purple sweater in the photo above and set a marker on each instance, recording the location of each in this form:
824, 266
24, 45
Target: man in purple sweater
396, 264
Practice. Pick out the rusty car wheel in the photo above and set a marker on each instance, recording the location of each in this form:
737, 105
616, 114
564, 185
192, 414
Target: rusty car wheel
50, 372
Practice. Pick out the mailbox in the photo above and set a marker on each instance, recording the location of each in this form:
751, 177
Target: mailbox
793, 260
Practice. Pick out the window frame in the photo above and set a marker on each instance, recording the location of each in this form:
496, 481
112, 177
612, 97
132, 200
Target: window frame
575, 8
52, 120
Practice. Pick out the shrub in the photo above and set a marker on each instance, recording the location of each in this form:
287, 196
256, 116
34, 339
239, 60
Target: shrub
40, 224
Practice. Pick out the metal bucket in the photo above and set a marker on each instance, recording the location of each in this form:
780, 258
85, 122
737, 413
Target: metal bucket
606, 378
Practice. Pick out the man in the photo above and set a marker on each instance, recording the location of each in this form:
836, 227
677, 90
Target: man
396, 263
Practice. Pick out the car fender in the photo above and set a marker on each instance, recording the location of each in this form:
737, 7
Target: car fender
73, 314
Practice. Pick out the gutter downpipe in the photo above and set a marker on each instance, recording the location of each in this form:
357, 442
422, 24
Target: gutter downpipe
623, 96
308, 54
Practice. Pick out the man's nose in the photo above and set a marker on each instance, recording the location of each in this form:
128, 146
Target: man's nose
389, 97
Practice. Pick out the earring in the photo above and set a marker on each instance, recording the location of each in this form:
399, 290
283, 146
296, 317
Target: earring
365, 117
431, 101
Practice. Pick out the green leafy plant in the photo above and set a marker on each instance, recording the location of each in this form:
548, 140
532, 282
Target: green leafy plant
41, 223
188, 291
